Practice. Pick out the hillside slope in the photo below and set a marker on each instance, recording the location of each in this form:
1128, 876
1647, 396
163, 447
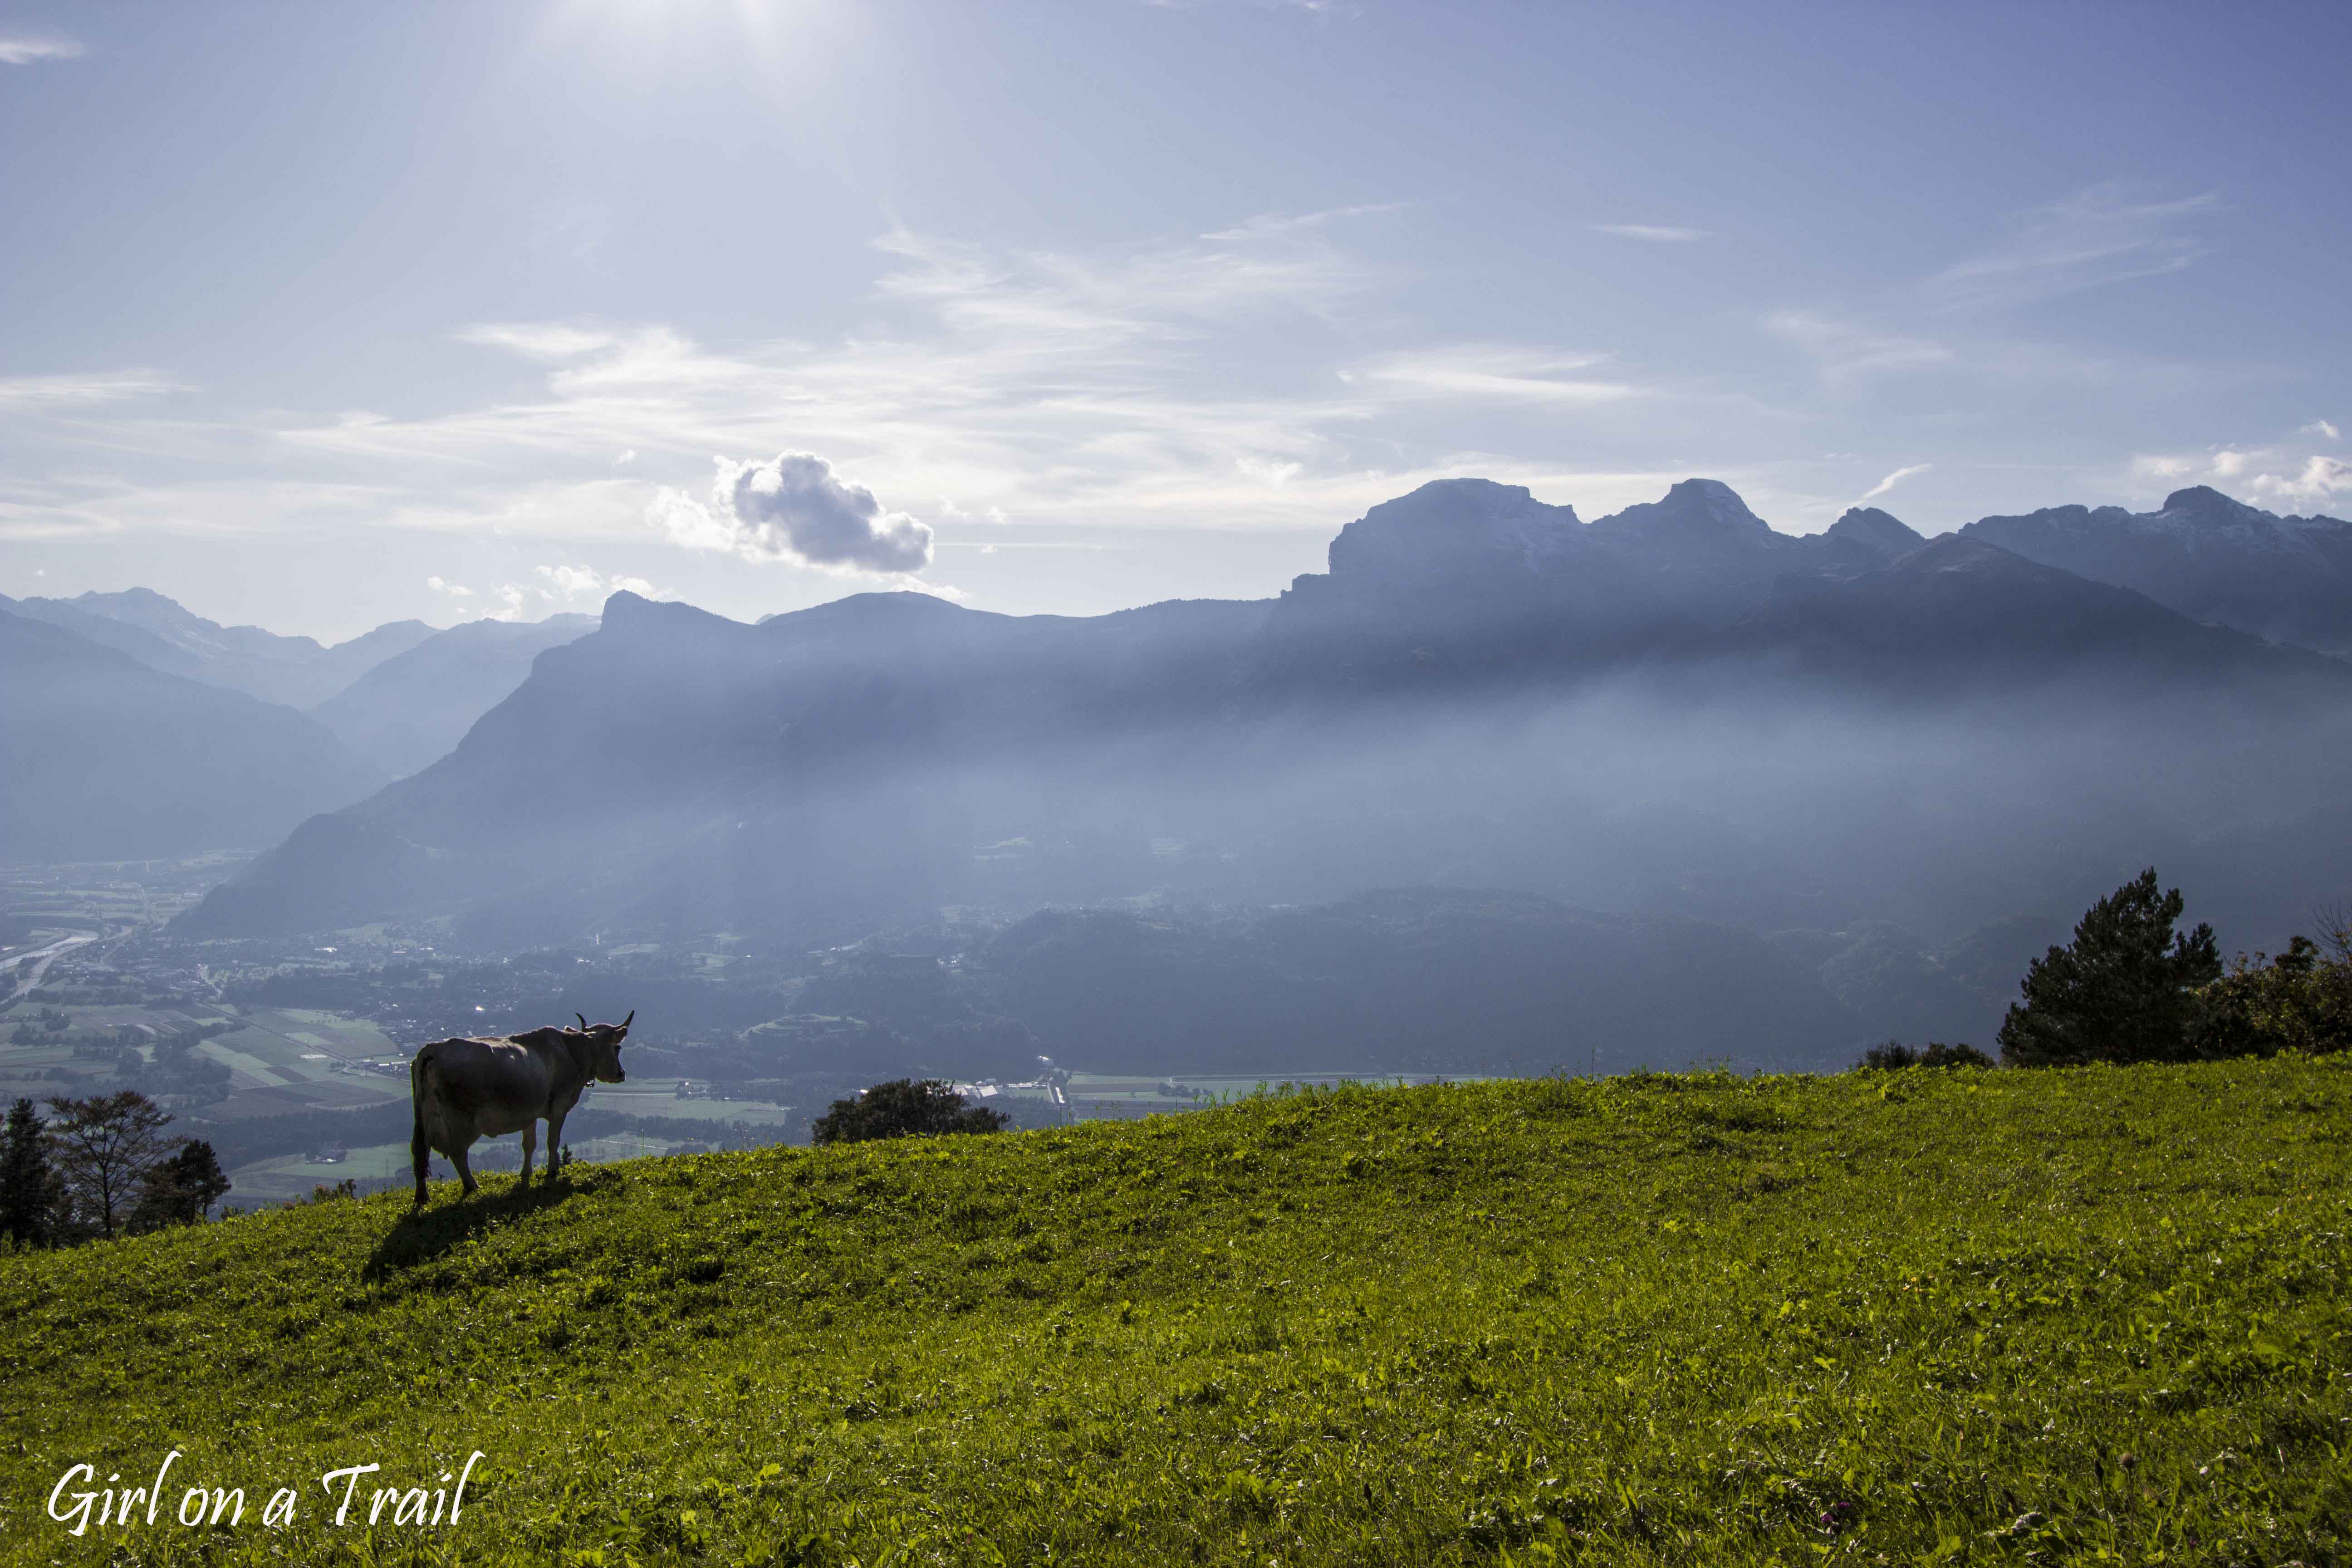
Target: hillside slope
1955, 1316
410, 710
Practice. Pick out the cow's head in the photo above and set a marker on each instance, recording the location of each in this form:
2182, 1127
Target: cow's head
604, 1047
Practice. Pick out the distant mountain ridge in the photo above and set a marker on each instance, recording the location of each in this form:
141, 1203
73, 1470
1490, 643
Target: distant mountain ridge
298, 671
675, 766
2206, 555
412, 709
108, 759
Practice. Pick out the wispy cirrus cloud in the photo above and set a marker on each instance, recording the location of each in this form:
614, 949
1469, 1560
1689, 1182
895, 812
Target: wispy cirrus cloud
2108, 234
1895, 478
1845, 353
1486, 373
25, 48
23, 393
1663, 233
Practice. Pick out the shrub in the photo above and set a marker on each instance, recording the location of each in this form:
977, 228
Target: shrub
1895, 1054
2298, 1001
903, 1107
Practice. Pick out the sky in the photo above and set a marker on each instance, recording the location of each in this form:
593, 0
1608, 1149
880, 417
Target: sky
321, 316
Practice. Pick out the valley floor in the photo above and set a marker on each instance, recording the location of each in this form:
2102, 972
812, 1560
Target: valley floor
1959, 1316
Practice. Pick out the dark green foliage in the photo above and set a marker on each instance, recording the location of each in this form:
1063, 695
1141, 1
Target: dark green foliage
2122, 992
104, 1147
181, 1189
1895, 1054
29, 1188
2299, 1001
1961, 1318
903, 1107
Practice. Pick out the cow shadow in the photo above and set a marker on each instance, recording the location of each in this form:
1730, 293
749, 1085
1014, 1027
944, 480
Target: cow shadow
424, 1235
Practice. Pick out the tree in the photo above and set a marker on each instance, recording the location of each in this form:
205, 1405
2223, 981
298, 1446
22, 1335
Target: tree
181, 1190
105, 1146
903, 1107
2123, 991
28, 1195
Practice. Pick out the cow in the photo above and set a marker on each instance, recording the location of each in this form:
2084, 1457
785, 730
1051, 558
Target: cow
463, 1089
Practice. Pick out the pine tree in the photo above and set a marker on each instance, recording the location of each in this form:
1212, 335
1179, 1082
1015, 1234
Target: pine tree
2121, 992
181, 1190
27, 1193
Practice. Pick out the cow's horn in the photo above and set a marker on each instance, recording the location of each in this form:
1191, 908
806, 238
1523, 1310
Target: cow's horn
630, 1019
584, 1021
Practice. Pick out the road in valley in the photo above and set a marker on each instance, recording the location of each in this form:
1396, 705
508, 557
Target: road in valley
30, 966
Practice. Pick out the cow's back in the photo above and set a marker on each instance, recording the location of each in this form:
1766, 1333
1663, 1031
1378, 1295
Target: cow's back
496, 1085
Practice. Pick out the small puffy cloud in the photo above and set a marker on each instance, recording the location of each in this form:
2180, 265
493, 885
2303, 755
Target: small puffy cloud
454, 590
2150, 466
626, 459
793, 508
1895, 478
25, 48
1652, 231
2322, 428
571, 584
2322, 478
2229, 465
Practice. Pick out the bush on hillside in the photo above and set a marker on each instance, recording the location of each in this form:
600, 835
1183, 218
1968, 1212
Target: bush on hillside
903, 1107
2299, 1001
2125, 989
1895, 1054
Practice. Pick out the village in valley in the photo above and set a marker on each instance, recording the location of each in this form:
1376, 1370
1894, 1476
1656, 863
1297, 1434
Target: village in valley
291, 1058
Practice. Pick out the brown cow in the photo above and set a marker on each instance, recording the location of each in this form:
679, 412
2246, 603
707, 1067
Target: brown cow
463, 1090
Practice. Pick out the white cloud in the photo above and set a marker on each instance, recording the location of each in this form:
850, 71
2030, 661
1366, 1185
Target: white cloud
1650, 231
539, 339
24, 48
2229, 465
626, 459
2149, 466
793, 509
2088, 240
1846, 354
571, 584
454, 590
1895, 478
2322, 428
1484, 372
2321, 477
34, 392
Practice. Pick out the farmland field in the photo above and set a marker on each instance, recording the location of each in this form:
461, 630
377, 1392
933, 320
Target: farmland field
1959, 1316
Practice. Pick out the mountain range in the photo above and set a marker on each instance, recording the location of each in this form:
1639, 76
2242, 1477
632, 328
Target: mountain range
108, 759
1673, 709
294, 670
2208, 556
139, 730
413, 708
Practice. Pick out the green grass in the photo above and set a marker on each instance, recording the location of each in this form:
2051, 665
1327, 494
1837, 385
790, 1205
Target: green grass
1962, 1316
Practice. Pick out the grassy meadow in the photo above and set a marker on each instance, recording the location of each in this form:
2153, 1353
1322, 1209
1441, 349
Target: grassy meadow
1949, 1316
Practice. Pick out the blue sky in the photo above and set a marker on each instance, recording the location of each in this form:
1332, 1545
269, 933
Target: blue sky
316, 315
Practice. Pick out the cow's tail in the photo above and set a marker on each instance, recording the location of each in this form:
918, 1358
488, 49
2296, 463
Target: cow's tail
420, 1155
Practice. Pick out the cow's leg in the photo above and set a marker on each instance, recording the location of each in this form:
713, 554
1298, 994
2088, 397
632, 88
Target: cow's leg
529, 1147
555, 1141
465, 1170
